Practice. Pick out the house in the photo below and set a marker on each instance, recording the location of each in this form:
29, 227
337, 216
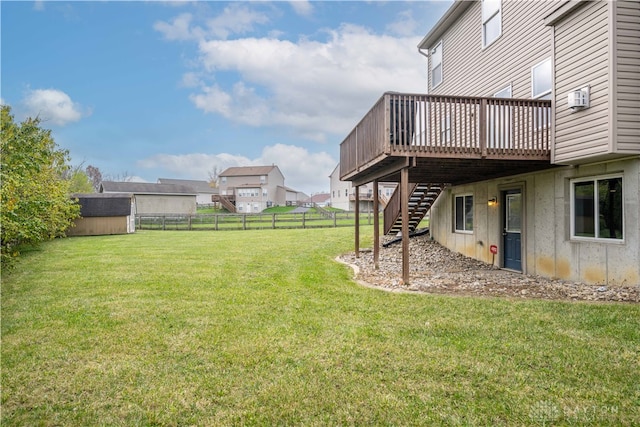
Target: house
527, 144
318, 200
292, 197
102, 214
202, 188
156, 199
343, 193
252, 189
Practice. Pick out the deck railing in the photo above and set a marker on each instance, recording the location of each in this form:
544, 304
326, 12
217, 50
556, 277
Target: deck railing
448, 126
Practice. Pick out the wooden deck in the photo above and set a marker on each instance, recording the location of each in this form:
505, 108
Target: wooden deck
447, 139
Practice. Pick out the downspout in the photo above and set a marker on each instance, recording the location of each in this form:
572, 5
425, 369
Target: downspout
426, 55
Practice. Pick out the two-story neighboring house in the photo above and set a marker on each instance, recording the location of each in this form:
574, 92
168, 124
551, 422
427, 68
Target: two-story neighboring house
343, 193
529, 138
252, 189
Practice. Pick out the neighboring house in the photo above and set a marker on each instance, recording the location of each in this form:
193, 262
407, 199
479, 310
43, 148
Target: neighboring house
252, 189
320, 200
528, 141
156, 199
292, 197
343, 194
202, 188
102, 214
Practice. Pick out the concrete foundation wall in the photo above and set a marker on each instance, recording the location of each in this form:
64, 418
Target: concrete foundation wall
547, 247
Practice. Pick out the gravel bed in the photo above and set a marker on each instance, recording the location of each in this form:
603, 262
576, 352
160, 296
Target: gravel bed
436, 269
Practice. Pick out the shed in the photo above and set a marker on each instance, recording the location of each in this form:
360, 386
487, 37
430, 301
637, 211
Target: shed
104, 213
156, 199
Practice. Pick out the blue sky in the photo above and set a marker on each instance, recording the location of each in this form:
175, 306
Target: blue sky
177, 89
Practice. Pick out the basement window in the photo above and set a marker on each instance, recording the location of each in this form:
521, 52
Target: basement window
597, 208
463, 213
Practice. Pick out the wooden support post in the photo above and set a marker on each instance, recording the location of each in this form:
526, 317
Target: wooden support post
483, 128
376, 225
404, 207
357, 213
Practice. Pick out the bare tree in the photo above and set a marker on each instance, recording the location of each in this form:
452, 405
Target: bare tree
213, 177
95, 176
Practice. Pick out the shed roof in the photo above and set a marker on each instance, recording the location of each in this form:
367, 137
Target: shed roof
318, 198
198, 186
101, 204
248, 170
146, 188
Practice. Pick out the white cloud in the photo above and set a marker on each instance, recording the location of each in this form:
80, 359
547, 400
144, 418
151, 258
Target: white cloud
303, 171
179, 28
404, 25
53, 105
234, 19
302, 7
312, 87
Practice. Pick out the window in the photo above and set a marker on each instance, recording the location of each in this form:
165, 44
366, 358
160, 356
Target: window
464, 213
223, 179
503, 93
436, 65
499, 122
541, 80
445, 128
346, 192
596, 205
491, 21
263, 179
248, 192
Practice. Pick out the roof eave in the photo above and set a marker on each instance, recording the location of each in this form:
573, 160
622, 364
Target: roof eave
450, 16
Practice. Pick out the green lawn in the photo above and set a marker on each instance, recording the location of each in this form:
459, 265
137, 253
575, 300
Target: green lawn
264, 327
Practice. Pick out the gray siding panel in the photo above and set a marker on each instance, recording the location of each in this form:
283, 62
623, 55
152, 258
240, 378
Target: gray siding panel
470, 70
581, 59
628, 83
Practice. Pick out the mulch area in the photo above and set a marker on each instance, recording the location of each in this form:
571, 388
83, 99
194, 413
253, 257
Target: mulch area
436, 269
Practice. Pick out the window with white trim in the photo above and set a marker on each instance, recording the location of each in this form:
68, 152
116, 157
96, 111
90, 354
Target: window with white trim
463, 213
436, 65
597, 208
541, 85
499, 122
445, 128
541, 80
491, 21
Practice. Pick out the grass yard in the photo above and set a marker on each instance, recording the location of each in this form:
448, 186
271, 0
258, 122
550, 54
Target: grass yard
263, 327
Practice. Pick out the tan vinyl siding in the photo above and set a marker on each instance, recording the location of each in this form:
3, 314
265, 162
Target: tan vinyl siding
581, 59
628, 83
470, 70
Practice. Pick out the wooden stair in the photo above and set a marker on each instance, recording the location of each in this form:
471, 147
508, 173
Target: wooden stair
422, 197
225, 202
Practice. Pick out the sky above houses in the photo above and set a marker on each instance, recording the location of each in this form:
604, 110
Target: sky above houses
181, 89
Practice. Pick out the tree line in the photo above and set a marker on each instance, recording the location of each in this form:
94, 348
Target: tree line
36, 184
